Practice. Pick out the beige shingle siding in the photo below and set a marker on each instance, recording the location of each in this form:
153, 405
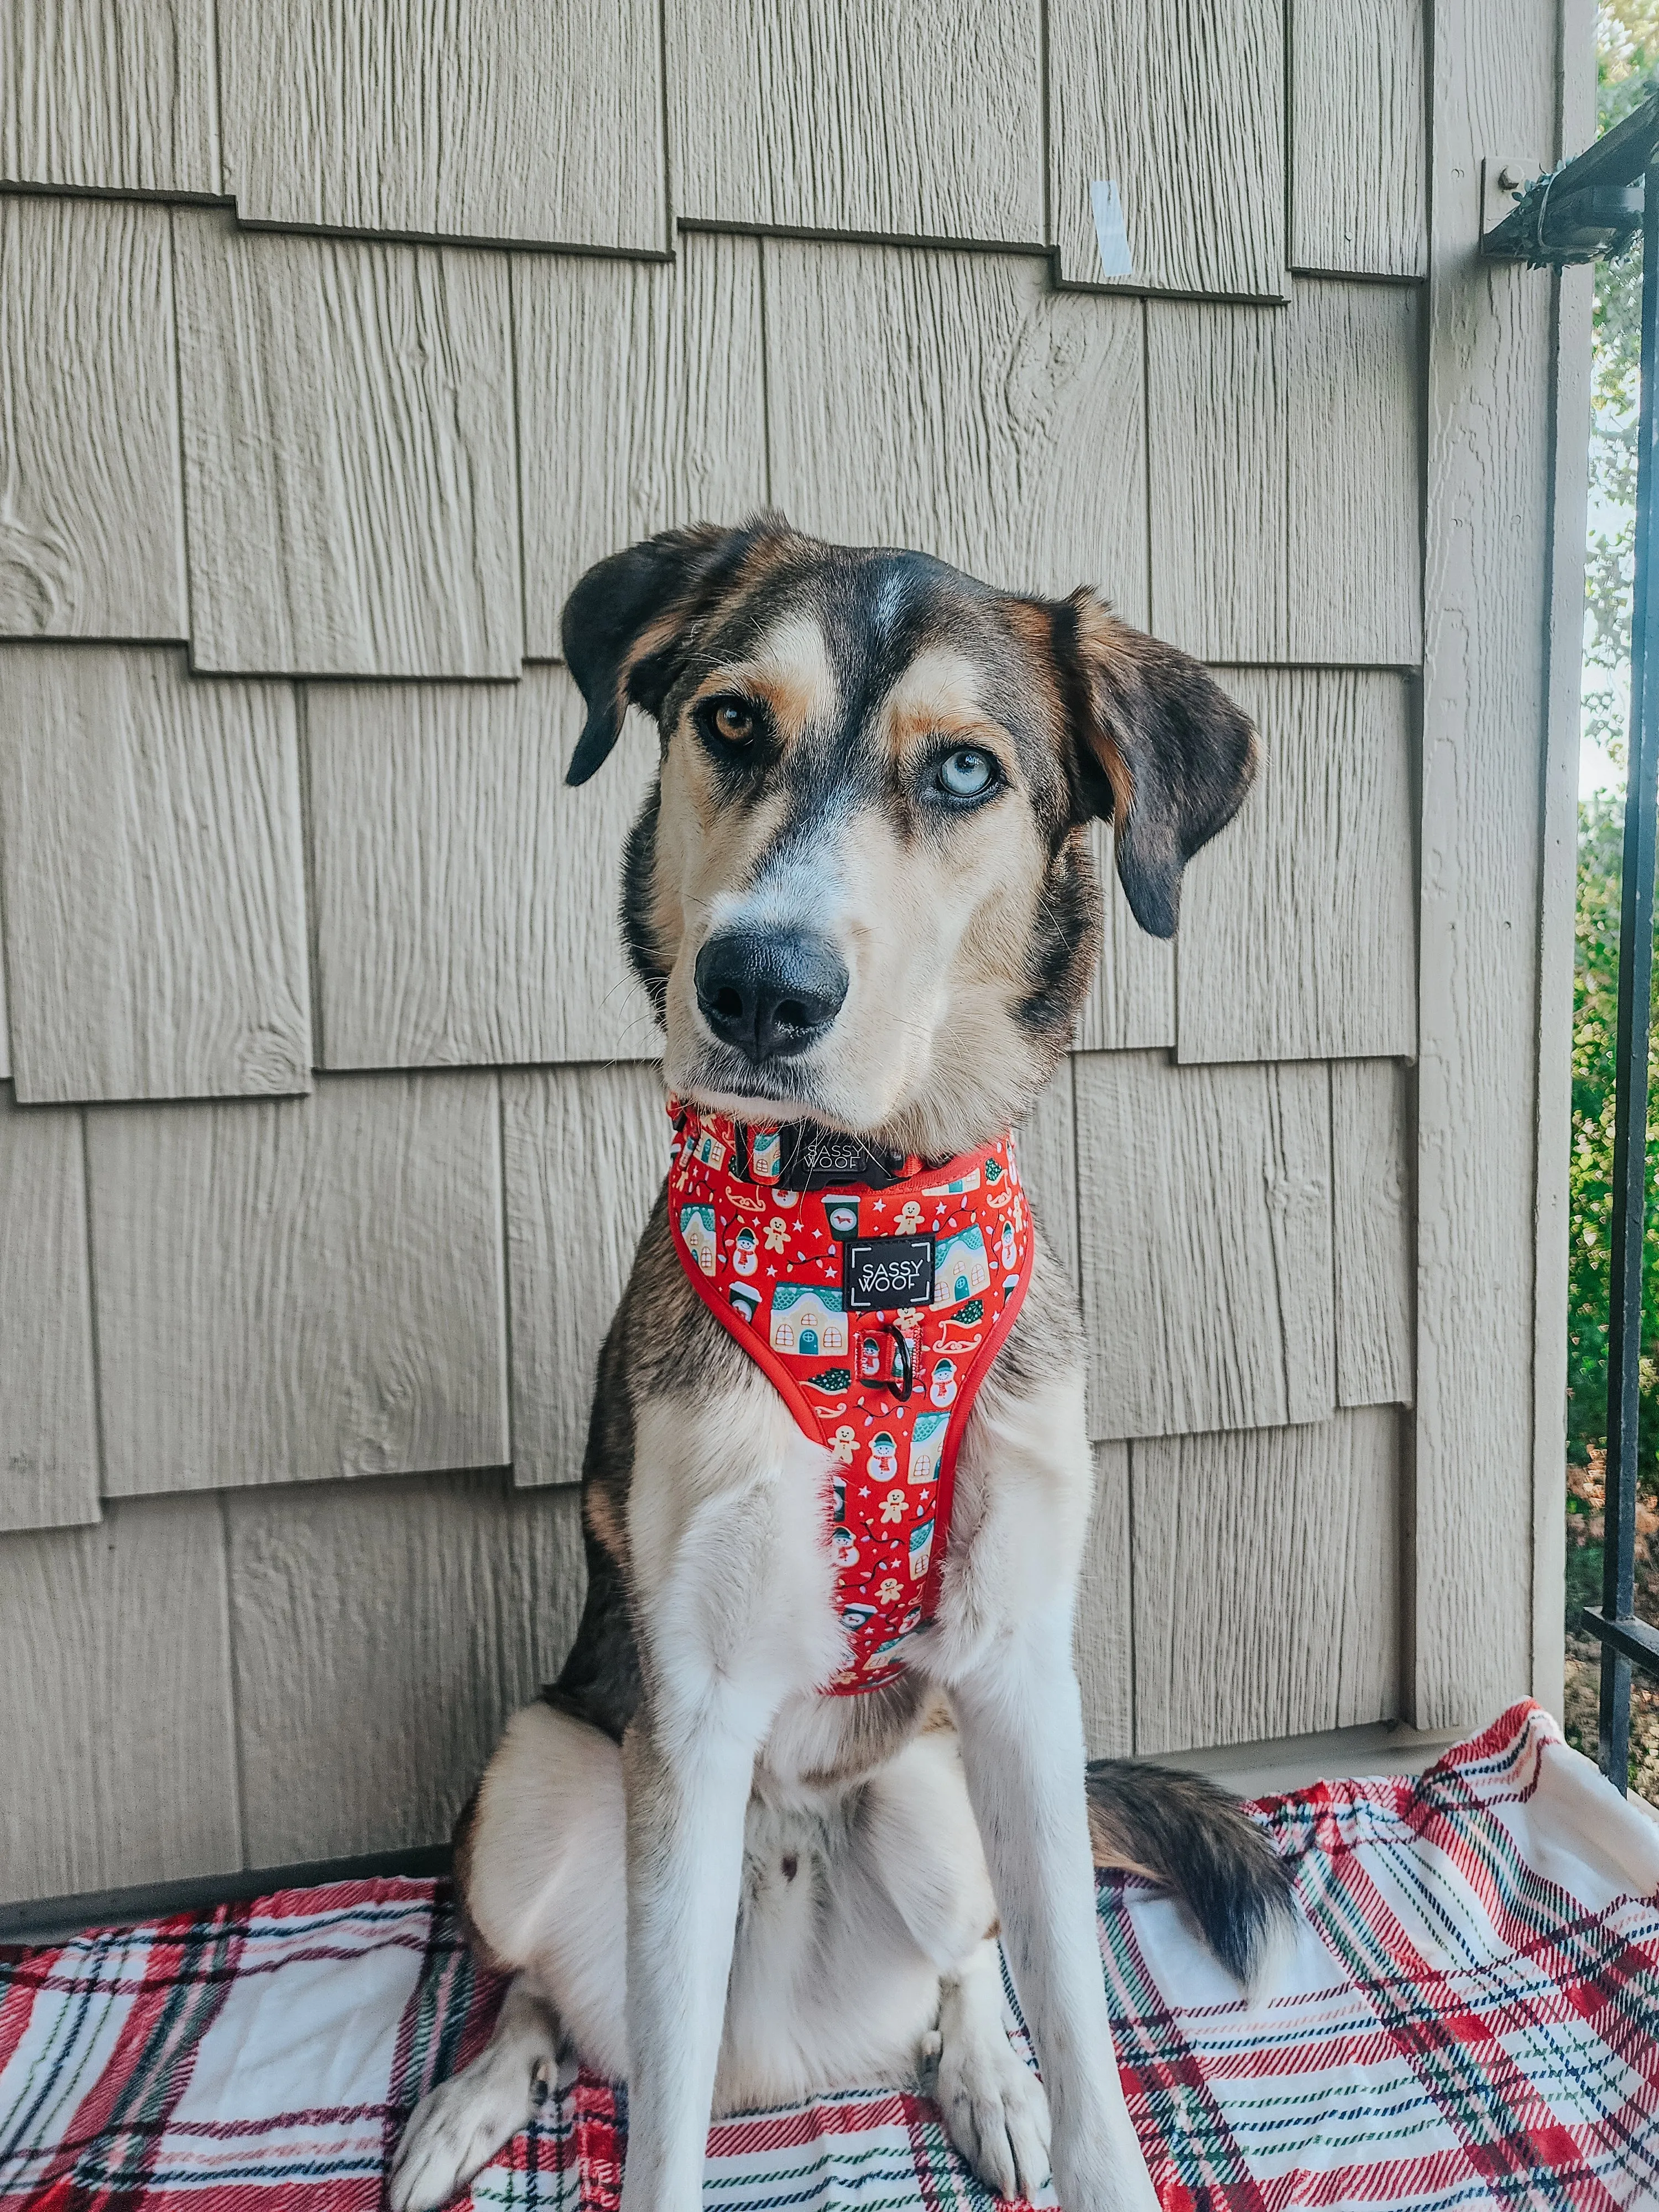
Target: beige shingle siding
1284, 476
1104, 1641
109, 95
382, 1630
49, 1473
116, 1729
641, 406
585, 1151
886, 118
1048, 1166
997, 423
1359, 180
1374, 1241
150, 867
539, 121
1131, 1003
329, 846
1206, 1247
467, 899
350, 474
92, 517
1181, 106
1266, 1575
1297, 926
288, 1289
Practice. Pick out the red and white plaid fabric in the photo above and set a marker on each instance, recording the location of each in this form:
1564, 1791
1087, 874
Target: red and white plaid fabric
1471, 2019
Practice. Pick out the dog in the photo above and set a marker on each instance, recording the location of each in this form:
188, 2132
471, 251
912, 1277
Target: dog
861, 899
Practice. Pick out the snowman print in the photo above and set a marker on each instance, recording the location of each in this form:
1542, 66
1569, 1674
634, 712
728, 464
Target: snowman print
942, 1390
1010, 1254
883, 1457
843, 1550
744, 1258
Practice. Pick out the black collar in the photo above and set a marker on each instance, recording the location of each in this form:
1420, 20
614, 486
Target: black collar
811, 1158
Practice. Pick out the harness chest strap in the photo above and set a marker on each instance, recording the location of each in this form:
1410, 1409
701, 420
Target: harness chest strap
875, 1308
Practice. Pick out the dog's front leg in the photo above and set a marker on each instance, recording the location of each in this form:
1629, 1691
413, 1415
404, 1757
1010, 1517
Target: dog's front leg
732, 1588
1021, 1724
687, 1794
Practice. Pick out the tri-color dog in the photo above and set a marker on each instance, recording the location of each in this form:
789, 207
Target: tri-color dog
861, 899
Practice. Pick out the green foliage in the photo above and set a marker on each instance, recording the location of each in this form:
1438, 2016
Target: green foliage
1627, 62
1589, 1179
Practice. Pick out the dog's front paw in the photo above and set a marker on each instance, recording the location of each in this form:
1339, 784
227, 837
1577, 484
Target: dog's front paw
461, 2125
995, 2112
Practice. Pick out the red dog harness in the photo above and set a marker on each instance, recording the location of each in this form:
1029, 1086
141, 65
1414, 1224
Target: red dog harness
876, 1306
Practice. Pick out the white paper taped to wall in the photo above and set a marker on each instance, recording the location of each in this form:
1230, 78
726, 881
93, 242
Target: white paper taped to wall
1116, 259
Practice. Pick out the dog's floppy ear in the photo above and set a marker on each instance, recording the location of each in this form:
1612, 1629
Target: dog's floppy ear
623, 623
1165, 754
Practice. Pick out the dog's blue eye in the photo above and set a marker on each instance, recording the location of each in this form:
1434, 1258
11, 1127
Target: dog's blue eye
967, 773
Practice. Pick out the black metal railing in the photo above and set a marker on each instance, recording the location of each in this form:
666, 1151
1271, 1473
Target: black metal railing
1589, 208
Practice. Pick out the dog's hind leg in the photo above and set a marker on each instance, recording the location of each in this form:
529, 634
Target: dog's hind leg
464, 2121
538, 1863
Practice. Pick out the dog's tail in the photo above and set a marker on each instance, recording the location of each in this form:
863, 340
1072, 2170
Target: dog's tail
1180, 1830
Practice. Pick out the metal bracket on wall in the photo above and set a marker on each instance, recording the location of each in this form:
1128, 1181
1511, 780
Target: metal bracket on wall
1504, 178
1590, 209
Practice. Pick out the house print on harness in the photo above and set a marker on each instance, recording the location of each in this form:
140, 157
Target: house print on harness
926, 1445
698, 1230
961, 1269
710, 1150
766, 1155
807, 1321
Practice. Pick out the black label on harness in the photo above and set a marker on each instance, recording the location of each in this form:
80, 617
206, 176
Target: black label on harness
810, 1158
884, 1271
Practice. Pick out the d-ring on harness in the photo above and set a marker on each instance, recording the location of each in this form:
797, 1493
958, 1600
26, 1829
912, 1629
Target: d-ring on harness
907, 1368
875, 1293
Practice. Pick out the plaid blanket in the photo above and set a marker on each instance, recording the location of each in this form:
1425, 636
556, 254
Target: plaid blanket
1471, 2019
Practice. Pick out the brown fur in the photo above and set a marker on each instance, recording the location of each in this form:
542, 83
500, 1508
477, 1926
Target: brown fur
462, 1839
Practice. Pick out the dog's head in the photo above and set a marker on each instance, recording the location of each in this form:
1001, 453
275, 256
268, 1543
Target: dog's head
861, 891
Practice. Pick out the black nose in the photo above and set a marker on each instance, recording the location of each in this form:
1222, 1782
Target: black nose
769, 995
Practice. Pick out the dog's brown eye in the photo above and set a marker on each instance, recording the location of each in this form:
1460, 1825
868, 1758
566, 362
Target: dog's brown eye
732, 720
